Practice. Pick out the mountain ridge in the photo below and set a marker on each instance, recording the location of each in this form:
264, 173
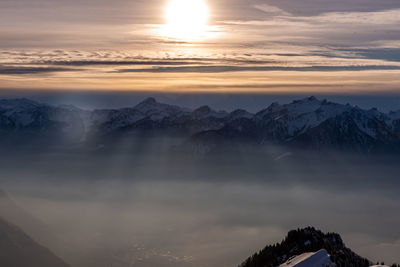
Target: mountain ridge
308, 123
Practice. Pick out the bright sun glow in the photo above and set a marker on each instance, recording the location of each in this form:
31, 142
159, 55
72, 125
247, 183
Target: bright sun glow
186, 19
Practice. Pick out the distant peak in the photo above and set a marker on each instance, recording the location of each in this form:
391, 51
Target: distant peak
18, 102
275, 106
203, 109
206, 111
239, 111
150, 100
147, 103
305, 100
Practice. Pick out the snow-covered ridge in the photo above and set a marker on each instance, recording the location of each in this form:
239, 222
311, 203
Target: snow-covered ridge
320, 258
308, 247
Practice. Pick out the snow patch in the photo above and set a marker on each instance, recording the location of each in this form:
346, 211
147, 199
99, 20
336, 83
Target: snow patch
312, 259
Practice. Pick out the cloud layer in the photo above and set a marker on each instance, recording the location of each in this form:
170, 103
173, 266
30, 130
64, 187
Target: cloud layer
77, 42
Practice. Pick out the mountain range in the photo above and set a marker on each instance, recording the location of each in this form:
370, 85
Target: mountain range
307, 123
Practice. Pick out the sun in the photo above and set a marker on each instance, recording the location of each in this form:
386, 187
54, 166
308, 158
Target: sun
186, 19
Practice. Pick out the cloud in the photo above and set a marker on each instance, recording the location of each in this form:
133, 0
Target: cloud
255, 36
387, 54
159, 62
273, 10
6, 70
220, 69
315, 7
330, 29
386, 17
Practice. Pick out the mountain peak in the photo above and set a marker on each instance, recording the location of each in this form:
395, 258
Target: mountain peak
202, 112
306, 100
157, 111
149, 100
203, 109
275, 106
205, 112
240, 113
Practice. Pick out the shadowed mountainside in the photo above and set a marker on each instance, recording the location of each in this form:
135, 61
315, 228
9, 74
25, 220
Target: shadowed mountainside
19, 250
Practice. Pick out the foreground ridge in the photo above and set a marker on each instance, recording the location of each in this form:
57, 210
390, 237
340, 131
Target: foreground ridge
307, 247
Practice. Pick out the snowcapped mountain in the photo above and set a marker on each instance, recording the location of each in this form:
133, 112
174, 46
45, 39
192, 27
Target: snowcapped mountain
40, 121
149, 109
310, 123
150, 115
153, 110
299, 116
316, 124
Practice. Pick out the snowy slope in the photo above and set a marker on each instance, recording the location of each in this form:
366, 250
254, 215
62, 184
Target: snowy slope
313, 259
158, 111
42, 120
300, 115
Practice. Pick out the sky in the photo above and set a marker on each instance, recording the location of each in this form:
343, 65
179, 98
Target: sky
253, 46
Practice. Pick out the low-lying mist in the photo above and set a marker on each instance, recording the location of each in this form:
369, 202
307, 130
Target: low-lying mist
149, 203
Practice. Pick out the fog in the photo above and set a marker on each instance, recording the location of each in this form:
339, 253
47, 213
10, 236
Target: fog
145, 204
